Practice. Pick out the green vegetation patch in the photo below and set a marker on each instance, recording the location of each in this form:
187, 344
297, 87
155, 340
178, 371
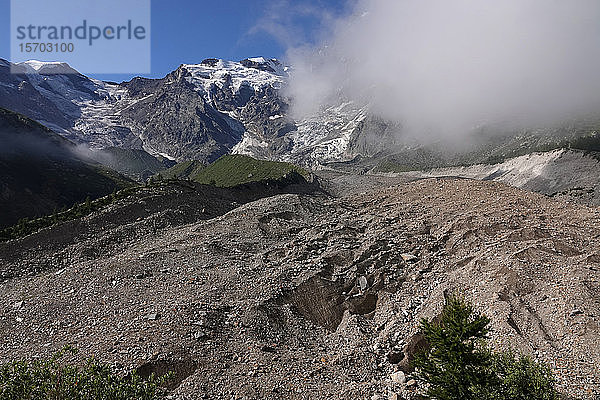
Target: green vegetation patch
184, 170
458, 364
233, 169
51, 379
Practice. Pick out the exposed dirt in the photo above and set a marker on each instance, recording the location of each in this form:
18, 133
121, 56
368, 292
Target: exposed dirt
309, 296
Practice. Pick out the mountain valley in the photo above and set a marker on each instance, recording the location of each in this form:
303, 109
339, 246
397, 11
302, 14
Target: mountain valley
192, 224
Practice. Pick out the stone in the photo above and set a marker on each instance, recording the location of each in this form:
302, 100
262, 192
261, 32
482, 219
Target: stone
153, 316
408, 257
398, 377
411, 383
425, 269
394, 357
362, 283
267, 349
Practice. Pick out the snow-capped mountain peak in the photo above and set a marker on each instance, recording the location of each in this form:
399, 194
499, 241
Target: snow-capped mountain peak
272, 65
200, 111
47, 67
256, 73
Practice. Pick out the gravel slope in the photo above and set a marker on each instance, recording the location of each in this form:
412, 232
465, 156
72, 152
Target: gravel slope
308, 296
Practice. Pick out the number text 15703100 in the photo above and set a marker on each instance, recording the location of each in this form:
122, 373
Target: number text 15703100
49, 47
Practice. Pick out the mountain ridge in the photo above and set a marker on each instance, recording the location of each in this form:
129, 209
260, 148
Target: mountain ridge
213, 108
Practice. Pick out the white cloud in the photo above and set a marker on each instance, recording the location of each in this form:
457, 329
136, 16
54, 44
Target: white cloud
441, 67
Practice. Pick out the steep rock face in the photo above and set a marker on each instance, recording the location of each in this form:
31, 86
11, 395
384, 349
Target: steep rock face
205, 110
169, 117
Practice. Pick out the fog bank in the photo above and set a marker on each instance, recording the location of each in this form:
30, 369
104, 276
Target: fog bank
442, 67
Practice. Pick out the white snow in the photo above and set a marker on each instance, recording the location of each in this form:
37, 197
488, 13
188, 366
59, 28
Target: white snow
260, 60
56, 67
246, 145
326, 136
99, 121
165, 155
203, 76
37, 65
323, 137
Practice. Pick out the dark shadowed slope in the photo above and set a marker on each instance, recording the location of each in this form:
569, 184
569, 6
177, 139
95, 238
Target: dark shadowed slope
40, 172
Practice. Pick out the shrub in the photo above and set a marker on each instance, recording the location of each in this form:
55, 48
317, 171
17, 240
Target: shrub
459, 365
522, 378
49, 379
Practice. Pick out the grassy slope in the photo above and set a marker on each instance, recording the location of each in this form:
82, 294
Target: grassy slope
231, 170
182, 170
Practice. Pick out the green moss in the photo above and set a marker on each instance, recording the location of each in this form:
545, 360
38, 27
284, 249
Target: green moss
231, 170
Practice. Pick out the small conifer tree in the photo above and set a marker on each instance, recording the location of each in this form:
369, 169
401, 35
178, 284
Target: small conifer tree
458, 364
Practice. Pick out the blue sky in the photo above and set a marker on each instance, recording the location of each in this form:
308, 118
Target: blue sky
188, 31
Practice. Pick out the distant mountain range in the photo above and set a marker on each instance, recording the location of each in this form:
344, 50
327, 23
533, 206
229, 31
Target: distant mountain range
203, 111
197, 112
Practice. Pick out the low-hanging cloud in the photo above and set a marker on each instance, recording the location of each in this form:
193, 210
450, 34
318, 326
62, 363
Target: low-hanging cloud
443, 67
295, 23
